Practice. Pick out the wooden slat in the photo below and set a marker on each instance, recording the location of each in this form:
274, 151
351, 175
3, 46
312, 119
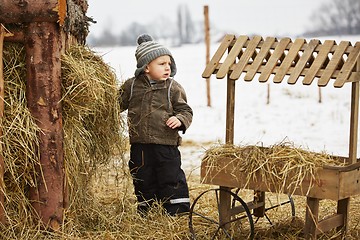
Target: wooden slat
308, 51
343, 207
210, 68
289, 59
244, 60
277, 54
251, 205
231, 58
334, 62
348, 66
263, 53
323, 61
319, 61
354, 77
329, 223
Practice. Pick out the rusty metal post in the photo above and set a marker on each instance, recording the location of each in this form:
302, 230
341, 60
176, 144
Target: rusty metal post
43, 46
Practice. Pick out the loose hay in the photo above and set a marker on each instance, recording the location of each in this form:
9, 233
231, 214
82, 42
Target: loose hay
281, 166
102, 204
92, 133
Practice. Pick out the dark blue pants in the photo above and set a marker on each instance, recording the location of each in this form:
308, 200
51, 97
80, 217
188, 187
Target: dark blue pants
157, 176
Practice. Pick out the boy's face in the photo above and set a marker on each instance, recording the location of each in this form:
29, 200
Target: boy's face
159, 68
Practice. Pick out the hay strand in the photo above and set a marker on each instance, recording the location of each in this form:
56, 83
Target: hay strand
282, 165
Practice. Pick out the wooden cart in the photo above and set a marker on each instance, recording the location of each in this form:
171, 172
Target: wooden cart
296, 59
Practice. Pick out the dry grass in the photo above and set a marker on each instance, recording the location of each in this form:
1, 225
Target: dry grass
92, 134
282, 166
102, 203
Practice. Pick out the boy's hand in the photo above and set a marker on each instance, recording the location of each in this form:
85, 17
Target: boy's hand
173, 122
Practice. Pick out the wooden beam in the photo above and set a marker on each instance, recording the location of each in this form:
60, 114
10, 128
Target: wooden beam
15, 36
354, 119
207, 44
2, 93
43, 94
225, 198
230, 111
31, 11
311, 217
330, 223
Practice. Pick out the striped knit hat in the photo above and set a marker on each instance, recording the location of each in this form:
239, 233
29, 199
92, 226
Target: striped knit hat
147, 51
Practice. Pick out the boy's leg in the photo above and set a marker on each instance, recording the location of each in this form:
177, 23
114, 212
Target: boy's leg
173, 188
141, 169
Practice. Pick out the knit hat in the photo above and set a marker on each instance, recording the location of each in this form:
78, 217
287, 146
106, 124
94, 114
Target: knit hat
147, 50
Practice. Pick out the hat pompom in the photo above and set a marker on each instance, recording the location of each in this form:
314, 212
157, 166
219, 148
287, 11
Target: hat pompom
144, 38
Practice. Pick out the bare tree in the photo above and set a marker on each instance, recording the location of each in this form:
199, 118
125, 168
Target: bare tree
337, 17
185, 24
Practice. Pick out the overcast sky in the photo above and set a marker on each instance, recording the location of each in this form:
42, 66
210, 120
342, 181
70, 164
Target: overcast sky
263, 17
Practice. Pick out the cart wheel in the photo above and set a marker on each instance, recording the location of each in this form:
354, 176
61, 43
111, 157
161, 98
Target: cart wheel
279, 209
276, 207
204, 218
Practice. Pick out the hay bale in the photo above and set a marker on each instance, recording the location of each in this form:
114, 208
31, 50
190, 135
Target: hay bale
92, 132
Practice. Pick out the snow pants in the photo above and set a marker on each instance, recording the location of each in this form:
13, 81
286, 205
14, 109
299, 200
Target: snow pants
158, 177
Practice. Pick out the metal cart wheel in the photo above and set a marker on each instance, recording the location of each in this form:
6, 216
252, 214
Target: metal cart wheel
277, 206
204, 218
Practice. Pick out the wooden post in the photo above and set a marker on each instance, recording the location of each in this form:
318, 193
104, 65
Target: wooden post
343, 205
230, 111
225, 198
43, 45
2, 163
354, 118
207, 44
311, 217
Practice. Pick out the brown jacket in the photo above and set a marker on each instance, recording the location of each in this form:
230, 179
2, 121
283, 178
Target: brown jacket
150, 105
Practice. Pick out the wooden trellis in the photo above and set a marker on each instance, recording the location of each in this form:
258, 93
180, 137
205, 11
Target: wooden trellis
311, 61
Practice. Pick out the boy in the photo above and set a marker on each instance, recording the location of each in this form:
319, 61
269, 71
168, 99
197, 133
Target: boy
157, 110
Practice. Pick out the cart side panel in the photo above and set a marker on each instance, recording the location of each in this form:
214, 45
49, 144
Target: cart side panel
325, 185
349, 183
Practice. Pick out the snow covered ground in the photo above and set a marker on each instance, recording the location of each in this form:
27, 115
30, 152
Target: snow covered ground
293, 114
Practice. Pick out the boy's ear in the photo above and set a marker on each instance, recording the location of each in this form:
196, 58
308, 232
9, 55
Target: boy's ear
146, 70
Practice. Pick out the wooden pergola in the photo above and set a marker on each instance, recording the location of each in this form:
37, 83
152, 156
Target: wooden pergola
46, 28
313, 62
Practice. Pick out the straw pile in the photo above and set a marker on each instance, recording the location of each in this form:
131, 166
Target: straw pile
281, 166
102, 204
92, 133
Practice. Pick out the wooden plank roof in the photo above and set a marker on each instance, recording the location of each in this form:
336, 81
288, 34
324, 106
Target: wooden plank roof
283, 58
